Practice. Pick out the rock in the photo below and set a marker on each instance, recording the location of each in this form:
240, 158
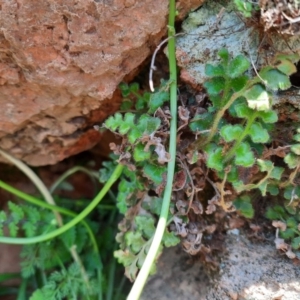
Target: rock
60, 64
247, 271
213, 27
178, 277
255, 271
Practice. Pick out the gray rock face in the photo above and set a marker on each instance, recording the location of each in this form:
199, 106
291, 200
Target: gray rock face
213, 27
248, 271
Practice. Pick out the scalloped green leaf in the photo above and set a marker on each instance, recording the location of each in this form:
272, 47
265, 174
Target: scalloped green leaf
244, 207
113, 122
268, 117
287, 234
217, 102
263, 188
134, 134
224, 54
275, 80
273, 189
201, 122
125, 258
244, 7
126, 104
154, 172
239, 82
215, 85
237, 66
291, 223
148, 124
237, 102
157, 100
124, 89
127, 123
276, 212
258, 134
106, 171
292, 191
134, 87
232, 175
244, 156
293, 57
170, 239
139, 154
142, 101
257, 98
296, 243
276, 173
134, 240
214, 71
296, 137
231, 132
146, 225
296, 149
154, 206
286, 67
291, 160
291, 209
265, 165
238, 186
243, 111
215, 159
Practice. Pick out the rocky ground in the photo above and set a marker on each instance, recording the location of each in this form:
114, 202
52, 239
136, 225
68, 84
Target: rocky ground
248, 270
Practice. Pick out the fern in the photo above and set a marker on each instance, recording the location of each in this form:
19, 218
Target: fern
27, 218
135, 244
65, 283
145, 171
234, 93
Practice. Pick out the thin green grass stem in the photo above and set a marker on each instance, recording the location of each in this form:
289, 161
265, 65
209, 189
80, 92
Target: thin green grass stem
43, 204
44, 237
70, 172
141, 279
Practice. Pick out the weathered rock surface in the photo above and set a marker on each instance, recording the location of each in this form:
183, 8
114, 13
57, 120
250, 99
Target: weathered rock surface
213, 27
248, 271
60, 64
179, 277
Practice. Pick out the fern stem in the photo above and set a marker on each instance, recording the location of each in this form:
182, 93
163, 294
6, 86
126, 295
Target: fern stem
219, 116
161, 226
237, 143
48, 236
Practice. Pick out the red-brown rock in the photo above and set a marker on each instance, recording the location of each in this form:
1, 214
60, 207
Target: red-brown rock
60, 64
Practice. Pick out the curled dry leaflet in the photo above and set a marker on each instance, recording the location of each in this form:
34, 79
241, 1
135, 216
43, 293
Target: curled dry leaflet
284, 15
